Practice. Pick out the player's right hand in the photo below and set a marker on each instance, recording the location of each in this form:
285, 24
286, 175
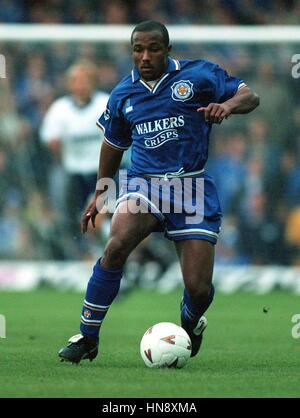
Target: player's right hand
215, 112
89, 215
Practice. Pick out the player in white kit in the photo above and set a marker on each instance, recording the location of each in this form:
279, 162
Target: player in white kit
70, 132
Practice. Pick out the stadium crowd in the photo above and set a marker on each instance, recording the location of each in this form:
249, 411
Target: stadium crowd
217, 12
254, 160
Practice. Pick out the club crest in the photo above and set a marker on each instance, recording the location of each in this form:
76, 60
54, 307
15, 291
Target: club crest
182, 90
87, 314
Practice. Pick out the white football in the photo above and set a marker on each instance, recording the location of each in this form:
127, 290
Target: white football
165, 345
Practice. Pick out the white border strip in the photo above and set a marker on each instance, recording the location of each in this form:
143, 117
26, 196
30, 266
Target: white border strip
107, 140
116, 146
135, 194
91, 321
218, 34
177, 64
159, 83
188, 174
241, 85
145, 85
96, 306
186, 231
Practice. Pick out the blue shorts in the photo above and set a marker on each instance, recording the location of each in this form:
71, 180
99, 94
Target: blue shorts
189, 209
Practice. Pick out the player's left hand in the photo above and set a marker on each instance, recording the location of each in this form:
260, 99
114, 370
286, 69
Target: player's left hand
89, 215
215, 112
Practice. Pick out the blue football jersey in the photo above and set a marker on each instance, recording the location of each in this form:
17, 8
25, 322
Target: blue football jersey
161, 123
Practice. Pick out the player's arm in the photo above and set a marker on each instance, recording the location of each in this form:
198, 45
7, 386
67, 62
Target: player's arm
244, 101
52, 130
109, 163
54, 145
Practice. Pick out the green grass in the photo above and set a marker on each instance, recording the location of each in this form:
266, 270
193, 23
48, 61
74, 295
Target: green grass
245, 353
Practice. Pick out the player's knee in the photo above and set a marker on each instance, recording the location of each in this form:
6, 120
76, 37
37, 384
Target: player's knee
115, 253
199, 292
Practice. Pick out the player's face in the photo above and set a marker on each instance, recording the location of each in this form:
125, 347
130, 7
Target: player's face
80, 84
150, 54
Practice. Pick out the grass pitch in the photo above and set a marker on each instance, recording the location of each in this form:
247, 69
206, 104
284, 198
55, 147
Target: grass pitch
248, 349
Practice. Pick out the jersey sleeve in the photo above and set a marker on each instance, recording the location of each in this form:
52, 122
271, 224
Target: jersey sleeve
226, 86
116, 129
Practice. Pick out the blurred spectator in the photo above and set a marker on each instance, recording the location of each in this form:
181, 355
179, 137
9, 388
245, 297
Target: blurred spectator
44, 228
292, 190
107, 75
262, 145
9, 118
15, 237
271, 106
227, 248
253, 186
292, 235
32, 87
228, 169
261, 237
293, 227
115, 13
131, 11
12, 11
5, 175
69, 129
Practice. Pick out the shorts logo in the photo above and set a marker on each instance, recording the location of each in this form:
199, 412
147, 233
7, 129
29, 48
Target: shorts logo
182, 90
87, 314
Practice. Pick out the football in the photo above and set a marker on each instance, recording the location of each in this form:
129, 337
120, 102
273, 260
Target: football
165, 345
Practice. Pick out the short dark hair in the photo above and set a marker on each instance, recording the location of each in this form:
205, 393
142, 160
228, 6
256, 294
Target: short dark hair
149, 26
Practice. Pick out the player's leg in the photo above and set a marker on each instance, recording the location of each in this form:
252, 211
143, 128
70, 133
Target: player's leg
127, 231
195, 247
196, 260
